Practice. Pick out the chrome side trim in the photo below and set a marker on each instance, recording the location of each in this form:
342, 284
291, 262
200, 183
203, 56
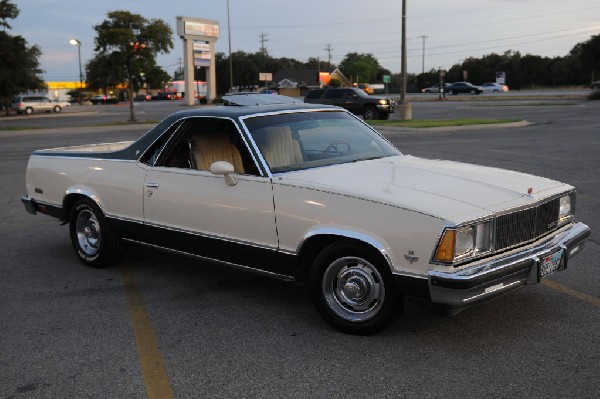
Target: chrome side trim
212, 236
34, 155
379, 246
86, 192
494, 277
233, 265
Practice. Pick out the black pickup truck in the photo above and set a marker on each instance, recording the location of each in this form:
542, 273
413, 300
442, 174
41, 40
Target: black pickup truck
354, 100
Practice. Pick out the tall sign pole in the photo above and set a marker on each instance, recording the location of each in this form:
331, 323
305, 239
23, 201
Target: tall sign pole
405, 108
198, 30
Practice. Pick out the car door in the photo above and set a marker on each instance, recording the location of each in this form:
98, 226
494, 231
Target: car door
189, 209
351, 101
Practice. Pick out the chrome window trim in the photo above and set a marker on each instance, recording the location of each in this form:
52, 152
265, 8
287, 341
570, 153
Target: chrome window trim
297, 111
184, 120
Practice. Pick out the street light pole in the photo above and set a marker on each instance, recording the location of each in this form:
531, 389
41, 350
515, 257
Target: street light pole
230, 60
77, 42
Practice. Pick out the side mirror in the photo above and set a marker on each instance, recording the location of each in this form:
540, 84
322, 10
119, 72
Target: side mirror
224, 168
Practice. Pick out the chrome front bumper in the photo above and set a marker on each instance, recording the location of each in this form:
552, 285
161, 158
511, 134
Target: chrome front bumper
491, 279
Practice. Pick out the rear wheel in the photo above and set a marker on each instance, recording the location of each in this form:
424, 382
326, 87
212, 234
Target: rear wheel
93, 239
370, 113
28, 110
353, 289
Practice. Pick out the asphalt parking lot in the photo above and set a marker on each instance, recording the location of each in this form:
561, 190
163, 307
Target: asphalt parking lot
162, 326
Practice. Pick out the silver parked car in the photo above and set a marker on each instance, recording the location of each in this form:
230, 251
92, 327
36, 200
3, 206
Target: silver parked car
33, 103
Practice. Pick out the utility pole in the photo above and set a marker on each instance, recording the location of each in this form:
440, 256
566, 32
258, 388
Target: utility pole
263, 39
423, 63
329, 49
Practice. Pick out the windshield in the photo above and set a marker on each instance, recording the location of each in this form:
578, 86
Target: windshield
304, 140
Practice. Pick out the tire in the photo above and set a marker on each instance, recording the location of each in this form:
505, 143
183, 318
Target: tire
94, 241
57, 108
352, 288
29, 110
473, 92
370, 113
384, 116
452, 92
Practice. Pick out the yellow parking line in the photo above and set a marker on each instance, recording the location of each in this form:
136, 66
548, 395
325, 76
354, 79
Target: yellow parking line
151, 361
572, 292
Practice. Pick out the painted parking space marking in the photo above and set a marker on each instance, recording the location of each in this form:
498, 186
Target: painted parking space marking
572, 292
153, 368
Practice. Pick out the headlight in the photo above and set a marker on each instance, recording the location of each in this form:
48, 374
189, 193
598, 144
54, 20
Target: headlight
464, 242
383, 102
567, 208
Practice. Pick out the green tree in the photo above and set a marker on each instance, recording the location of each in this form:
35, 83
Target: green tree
19, 65
127, 45
7, 11
589, 54
361, 67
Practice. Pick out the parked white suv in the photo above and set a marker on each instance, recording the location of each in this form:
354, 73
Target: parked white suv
33, 103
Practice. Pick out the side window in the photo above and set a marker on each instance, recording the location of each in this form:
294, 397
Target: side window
334, 94
314, 94
199, 142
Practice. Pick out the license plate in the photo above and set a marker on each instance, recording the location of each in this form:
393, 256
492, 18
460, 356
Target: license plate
550, 264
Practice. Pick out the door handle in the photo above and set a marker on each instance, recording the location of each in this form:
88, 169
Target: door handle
152, 184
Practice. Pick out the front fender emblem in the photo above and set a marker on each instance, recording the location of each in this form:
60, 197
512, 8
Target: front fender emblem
410, 257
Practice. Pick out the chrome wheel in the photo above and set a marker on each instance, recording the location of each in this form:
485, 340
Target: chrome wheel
87, 229
353, 289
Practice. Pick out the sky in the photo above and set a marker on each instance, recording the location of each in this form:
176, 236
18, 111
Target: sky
449, 31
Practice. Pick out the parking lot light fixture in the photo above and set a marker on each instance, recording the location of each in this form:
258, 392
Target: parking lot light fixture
77, 42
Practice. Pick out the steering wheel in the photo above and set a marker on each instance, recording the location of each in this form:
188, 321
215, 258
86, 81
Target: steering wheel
332, 148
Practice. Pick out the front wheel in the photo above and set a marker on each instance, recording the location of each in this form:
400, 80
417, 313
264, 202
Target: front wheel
94, 241
57, 108
353, 289
370, 113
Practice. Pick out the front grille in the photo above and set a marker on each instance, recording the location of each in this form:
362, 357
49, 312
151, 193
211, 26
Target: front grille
526, 225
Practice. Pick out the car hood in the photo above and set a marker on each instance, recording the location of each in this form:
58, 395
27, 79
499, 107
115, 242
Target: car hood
453, 191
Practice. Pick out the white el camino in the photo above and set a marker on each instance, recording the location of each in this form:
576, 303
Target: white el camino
310, 193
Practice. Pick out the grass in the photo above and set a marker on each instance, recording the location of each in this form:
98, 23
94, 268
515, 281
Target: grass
425, 123
127, 123
17, 128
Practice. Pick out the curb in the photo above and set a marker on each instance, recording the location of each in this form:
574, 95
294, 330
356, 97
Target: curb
447, 129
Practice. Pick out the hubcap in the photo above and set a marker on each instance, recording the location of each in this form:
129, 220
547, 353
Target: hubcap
87, 229
353, 289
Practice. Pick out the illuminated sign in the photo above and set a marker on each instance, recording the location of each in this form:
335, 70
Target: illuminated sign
201, 29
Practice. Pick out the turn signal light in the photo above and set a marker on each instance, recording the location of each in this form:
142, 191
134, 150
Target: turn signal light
445, 249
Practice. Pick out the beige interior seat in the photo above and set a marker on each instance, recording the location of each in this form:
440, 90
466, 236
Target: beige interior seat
280, 148
208, 148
